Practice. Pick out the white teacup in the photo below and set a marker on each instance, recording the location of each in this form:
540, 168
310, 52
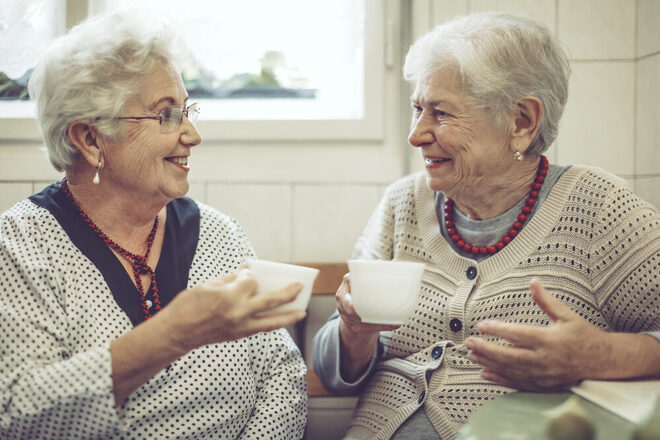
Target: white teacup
385, 292
271, 276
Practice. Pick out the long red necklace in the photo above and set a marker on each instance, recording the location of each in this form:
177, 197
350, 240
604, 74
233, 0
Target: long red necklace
515, 228
138, 262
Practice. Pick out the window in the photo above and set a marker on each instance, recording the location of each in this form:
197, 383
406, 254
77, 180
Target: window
304, 69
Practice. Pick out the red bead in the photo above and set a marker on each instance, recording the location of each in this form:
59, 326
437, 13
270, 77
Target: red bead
449, 202
460, 243
483, 250
536, 186
533, 194
451, 231
467, 247
475, 250
493, 249
506, 239
499, 245
513, 233
449, 224
526, 209
447, 216
543, 171
522, 217
540, 179
448, 209
530, 202
455, 238
517, 225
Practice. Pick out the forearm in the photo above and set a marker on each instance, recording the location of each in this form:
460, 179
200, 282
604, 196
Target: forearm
139, 355
630, 355
356, 351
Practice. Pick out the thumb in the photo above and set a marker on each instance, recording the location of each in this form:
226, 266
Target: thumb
554, 308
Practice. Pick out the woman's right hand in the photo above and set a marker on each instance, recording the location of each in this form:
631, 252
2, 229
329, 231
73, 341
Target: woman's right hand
358, 339
226, 309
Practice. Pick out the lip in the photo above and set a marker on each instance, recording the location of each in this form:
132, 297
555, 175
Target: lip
180, 166
432, 162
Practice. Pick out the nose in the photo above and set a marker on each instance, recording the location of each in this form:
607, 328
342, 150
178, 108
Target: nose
420, 132
189, 135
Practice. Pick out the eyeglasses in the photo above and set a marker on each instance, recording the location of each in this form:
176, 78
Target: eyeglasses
171, 117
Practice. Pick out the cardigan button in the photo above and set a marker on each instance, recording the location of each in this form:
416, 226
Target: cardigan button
436, 352
471, 272
455, 325
148, 303
421, 397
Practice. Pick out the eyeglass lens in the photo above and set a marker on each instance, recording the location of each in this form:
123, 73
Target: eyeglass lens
171, 117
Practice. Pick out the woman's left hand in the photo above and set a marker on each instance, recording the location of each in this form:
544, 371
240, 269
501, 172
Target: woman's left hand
542, 358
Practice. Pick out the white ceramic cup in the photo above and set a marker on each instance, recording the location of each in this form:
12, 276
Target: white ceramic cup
385, 292
271, 276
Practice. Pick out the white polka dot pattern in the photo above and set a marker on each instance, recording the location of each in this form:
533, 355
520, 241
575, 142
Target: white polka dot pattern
58, 316
593, 243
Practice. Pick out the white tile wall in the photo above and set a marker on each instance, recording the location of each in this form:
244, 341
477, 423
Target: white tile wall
444, 10
648, 27
648, 116
598, 29
13, 192
328, 219
649, 190
264, 211
543, 10
598, 124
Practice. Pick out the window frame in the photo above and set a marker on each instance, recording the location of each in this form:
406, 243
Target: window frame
368, 128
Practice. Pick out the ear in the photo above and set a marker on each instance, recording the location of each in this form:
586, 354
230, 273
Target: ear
84, 137
527, 115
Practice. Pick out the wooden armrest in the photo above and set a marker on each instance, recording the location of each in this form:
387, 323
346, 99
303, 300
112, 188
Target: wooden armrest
314, 386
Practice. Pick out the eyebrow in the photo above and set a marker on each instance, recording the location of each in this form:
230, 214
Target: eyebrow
433, 103
169, 99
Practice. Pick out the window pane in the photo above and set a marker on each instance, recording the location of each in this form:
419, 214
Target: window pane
26, 28
265, 59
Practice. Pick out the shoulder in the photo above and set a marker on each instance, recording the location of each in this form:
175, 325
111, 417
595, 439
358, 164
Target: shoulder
405, 189
25, 218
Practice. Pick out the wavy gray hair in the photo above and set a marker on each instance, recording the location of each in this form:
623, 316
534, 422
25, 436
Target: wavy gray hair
500, 58
90, 73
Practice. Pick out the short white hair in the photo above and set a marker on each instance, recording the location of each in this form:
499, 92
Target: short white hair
500, 58
90, 73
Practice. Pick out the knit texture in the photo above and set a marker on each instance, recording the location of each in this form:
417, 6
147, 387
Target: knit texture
592, 243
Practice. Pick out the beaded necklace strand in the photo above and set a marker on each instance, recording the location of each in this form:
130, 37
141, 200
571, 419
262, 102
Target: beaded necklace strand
515, 228
137, 262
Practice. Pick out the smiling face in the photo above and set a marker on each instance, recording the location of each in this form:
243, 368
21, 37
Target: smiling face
145, 162
462, 150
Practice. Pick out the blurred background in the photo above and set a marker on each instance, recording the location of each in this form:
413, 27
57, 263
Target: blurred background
304, 113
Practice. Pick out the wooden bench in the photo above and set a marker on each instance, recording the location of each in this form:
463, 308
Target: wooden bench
327, 281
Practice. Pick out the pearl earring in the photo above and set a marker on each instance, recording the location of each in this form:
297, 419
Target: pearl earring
96, 180
518, 155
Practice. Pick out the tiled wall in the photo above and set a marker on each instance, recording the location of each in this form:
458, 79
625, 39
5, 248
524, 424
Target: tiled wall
309, 201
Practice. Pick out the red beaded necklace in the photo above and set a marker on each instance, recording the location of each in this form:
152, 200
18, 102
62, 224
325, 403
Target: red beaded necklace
513, 231
138, 262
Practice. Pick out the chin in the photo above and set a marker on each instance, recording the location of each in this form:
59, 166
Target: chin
434, 183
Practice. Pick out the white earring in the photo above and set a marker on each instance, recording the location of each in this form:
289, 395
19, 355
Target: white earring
96, 180
518, 155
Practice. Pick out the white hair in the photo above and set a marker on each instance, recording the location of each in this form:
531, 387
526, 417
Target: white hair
500, 58
90, 73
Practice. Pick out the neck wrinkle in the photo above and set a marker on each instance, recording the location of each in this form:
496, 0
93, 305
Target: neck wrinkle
488, 200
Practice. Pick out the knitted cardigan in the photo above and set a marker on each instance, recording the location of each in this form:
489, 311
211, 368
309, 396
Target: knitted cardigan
592, 243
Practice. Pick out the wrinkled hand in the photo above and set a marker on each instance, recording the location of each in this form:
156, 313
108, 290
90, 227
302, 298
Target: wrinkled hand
541, 358
358, 339
226, 309
350, 321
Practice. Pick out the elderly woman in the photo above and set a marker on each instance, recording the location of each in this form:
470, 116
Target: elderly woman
489, 215
123, 312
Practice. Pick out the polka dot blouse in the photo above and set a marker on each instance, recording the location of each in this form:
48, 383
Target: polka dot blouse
64, 297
